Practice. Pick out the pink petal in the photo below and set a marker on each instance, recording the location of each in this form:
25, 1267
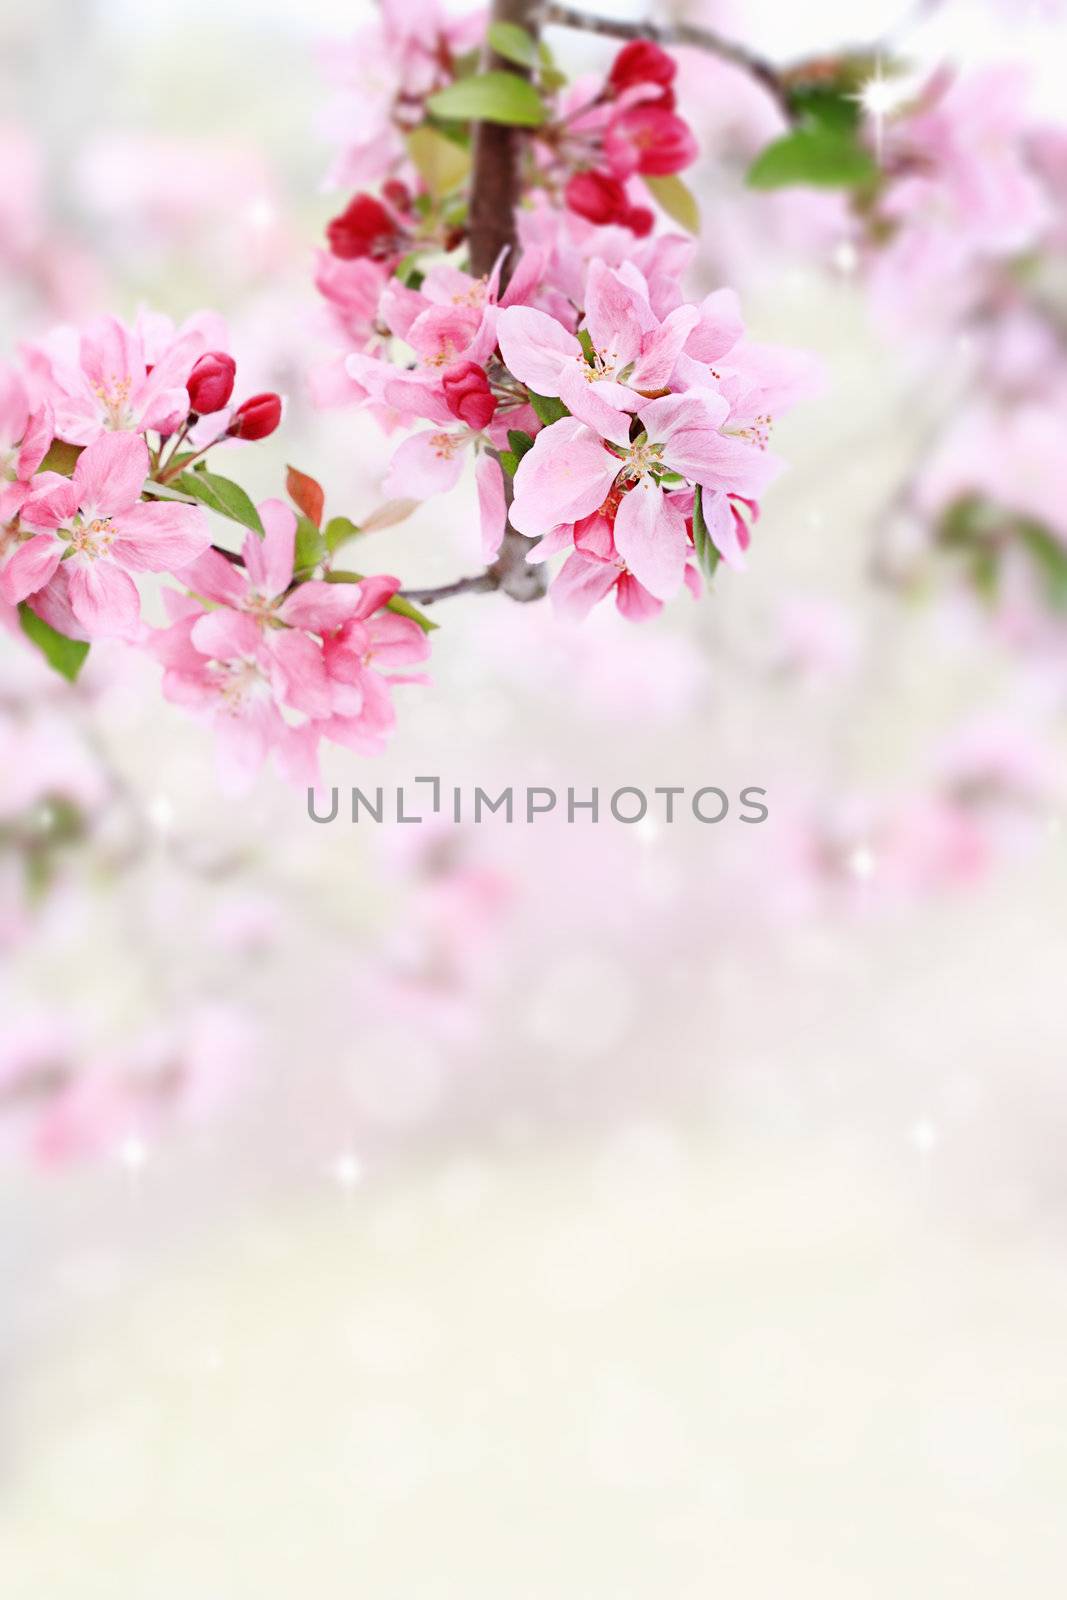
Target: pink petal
634, 601
535, 347
581, 582
589, 403
226, 634
320, 606
719, 327
53, 502
104, 599
110, 473
555, 541
659, 357
269, 561
425, 465
216, 578
159, 536
687, 426
300, 673
40, 431
397, 641
650, 537
614, 315
375, 592
30, 568
492, 508
566, 475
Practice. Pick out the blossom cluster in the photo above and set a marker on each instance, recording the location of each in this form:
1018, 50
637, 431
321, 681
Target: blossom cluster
634, 425
102, 479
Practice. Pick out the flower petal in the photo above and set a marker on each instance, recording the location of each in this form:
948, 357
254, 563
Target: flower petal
492, 507
159, 536
269, 561
535, 347
104, 598
566, 475
30, 568
110, 473
650, 537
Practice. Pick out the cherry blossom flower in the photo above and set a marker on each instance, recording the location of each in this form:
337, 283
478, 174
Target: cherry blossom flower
97, 525
113, 378
24, 440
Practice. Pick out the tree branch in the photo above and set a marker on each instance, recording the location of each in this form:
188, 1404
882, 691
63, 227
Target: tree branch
678, 33
495, 190
478, 584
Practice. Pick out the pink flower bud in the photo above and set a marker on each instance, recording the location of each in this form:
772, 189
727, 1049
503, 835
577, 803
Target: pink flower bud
210, 384
649, 140
641, 61
597, 196
467, 394
257, 417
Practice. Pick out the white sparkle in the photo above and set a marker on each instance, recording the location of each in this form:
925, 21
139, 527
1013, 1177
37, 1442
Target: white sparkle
924, 1136
862, 863
846, 258
133, 1153
160, 812
879, 96
346, 1170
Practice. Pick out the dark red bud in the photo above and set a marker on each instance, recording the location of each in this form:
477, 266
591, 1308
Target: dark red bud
257, 417
468, 395
210, 383
398, 195
364, 228
640, 220
641, 61
597, 196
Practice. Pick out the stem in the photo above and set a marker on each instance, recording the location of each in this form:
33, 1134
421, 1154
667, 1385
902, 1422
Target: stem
446, 591
678, 33
495, 191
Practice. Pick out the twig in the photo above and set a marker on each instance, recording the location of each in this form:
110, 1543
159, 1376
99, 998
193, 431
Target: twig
478, 584
495, 192
678, 33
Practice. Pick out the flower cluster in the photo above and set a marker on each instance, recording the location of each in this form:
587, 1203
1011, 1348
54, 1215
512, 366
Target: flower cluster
102, 479
635, 427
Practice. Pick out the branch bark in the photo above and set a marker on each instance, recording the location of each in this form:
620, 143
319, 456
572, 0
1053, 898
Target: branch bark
495, 190
675, 33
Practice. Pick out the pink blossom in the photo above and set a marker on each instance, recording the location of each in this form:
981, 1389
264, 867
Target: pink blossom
96, 524
113, 378
24, 440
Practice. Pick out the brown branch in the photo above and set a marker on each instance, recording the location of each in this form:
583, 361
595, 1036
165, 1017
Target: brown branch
478, 584
678, 33
495, 191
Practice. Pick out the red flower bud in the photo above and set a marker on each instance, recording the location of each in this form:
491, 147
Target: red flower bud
641, 61
597, 196
649, 140
210, 384
398, 195
364, 228
467, 394
640, 220
257, 417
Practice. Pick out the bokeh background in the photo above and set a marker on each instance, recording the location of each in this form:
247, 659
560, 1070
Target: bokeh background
595, 1213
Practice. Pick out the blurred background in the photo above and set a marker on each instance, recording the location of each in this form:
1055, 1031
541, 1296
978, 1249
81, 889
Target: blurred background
590, 1212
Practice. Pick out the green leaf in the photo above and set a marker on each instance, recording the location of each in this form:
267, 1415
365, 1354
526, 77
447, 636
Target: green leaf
311, 546
509, 462
490, 97
223, 496
708, 557
678, 201
442, 164
402, 608
822, 158
338, 531
547, 408
1050, 558
66, 656
513, 43
585, 339
520, 443
828, 106
61, 457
